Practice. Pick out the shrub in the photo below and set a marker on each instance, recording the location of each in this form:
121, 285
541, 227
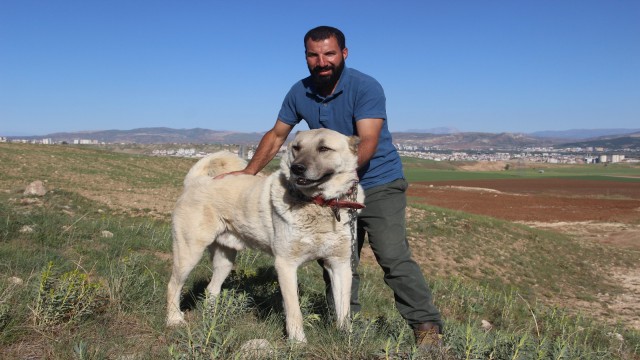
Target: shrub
64, 299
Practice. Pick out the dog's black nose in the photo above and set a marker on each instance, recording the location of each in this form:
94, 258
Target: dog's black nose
298, 169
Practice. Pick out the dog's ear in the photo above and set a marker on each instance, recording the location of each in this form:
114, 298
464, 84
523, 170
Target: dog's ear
353, 144
285, 160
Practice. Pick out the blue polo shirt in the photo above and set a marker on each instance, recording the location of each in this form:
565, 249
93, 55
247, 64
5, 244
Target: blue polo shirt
357, 96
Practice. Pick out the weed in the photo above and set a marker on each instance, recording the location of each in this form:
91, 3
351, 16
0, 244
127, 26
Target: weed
211, 336
67, 298
115, 310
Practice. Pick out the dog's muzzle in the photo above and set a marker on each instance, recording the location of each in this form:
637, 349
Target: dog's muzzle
299, 171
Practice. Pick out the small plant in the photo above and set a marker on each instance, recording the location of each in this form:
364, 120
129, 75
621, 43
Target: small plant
6, 294
132, 286
65, 299
212, 334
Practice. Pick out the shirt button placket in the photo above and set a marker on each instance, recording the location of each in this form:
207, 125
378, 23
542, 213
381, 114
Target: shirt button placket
324, 113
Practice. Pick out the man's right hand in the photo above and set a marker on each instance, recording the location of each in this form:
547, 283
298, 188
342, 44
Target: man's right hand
269, 145
239, 172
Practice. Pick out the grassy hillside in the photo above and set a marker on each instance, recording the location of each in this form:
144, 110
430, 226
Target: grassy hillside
85, 270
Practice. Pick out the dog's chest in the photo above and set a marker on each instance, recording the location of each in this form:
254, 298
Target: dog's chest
316, 233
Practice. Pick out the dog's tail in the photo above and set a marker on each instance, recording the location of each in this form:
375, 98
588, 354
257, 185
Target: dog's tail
215, 164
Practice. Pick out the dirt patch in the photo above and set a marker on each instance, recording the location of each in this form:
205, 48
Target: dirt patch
485, 166
606, 212
616, 234
546, 200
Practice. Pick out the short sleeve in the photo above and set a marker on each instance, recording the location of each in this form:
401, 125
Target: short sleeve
370, 101
288, 113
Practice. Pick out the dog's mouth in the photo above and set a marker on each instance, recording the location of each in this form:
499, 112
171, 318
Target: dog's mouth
305, 182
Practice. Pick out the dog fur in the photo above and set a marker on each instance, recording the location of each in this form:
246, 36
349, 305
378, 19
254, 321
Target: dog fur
274, 214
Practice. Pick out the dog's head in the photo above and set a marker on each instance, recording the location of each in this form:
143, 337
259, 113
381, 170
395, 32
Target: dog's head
321, 162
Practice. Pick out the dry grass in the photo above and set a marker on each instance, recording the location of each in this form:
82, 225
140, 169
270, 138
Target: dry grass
516, 277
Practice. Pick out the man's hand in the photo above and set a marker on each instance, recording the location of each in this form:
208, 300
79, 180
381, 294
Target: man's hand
239, 172
267, 149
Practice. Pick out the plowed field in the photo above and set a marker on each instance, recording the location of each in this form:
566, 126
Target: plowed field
539, 200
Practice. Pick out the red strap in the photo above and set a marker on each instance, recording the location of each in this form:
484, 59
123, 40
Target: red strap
319, 200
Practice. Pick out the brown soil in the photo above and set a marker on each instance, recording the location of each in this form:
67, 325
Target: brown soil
541, 200
607, 212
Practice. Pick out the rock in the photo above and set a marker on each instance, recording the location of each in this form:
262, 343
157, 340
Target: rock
106, 234
16, 280
257, 349
35, 188
616, 336
26, 229
486, 326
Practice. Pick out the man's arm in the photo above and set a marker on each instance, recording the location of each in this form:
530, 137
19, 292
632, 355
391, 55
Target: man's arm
369, 133
267, 149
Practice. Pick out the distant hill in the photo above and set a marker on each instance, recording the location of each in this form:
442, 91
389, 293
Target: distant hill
159, 135
582, 134
437, 130
445, 140
631, 141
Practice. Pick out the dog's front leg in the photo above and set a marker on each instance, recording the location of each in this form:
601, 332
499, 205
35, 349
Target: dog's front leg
340, 275
288, 279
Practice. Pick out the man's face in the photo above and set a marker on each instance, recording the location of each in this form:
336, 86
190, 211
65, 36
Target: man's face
325, 61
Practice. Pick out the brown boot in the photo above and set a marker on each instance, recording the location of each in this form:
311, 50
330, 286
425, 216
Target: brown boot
428, 336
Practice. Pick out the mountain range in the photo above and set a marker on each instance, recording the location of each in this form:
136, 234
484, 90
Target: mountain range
442, 138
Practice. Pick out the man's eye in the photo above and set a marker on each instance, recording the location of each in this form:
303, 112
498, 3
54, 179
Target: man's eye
323, 149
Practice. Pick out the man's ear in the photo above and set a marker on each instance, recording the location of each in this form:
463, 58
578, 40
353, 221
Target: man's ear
345, 53
353, 144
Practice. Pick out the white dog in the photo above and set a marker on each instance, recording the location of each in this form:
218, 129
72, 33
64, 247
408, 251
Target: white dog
294, 214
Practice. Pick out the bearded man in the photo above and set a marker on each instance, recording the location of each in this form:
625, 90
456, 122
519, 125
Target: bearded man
352, 103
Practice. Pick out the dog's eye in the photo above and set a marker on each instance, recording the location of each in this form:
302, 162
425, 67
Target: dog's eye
323, 149
295, 147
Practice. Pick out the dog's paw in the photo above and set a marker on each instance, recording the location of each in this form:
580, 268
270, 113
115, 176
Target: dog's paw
176, 319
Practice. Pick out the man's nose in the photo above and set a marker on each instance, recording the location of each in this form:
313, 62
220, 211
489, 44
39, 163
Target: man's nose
322, 61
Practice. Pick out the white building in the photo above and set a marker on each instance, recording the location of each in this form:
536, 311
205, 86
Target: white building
84, 142
617, 158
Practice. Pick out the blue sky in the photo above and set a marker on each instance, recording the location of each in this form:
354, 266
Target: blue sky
491, 66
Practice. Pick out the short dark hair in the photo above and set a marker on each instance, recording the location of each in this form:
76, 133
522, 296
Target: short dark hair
323, 33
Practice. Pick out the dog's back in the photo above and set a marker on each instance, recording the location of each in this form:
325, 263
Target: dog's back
215, 164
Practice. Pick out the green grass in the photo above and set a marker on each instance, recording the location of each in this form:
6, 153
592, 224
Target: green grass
499, 253
70, 290
100, 297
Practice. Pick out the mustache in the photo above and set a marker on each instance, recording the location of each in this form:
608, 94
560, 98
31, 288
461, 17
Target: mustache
319, 69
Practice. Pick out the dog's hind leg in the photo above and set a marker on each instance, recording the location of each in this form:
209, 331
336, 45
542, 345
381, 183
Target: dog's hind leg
340, 274
222, 259
288, 279
185, 258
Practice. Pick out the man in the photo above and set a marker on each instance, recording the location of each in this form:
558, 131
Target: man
352, 103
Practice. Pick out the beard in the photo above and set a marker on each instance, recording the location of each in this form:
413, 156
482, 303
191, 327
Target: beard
326, 83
